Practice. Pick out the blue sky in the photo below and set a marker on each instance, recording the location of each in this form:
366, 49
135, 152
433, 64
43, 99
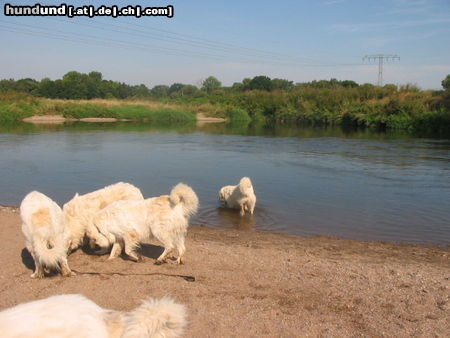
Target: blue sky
297, 40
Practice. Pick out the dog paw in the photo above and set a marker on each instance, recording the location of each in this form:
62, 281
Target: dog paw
69, 274
158, 262
37, 275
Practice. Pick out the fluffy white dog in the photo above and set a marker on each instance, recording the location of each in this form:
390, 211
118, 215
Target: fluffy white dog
79, 211
127, 223
45, 233
239, 196
67, 316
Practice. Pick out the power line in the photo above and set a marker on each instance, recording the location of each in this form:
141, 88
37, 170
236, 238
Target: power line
100, 40
381, 58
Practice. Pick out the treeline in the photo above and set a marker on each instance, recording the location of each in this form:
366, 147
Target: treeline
75, 85
329, 102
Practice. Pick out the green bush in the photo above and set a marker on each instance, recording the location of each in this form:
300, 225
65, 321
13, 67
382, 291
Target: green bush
238, 114
432, 123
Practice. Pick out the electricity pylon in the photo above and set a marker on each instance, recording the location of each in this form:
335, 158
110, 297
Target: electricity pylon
381, 58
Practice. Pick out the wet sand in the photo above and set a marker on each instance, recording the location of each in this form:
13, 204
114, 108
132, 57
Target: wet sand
251, 284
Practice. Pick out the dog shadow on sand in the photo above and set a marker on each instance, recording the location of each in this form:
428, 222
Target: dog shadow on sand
150, 250
145, 250
27, 259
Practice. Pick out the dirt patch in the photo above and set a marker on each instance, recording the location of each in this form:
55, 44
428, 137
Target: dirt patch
45, 119
252, 284
201, 118
54, 119
98, 119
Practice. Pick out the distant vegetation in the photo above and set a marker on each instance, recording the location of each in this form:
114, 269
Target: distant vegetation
14, 106
327, 102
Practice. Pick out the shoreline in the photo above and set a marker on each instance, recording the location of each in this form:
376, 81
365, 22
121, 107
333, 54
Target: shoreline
15, 209
57, 119
254, 283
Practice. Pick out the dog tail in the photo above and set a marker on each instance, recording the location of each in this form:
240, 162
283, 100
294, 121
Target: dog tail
155, 318
49, 251
183, 194
42, 224
245, 186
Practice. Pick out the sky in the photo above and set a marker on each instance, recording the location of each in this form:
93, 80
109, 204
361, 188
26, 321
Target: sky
292, 39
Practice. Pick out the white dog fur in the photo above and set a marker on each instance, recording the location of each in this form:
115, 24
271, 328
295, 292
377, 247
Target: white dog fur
127, 223
71, 316
46, 236
79, 211
239, 196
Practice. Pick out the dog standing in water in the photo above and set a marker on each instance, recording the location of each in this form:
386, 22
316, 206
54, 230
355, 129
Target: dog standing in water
239, 196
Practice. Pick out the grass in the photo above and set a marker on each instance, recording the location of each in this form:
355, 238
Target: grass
423, 112
16, 106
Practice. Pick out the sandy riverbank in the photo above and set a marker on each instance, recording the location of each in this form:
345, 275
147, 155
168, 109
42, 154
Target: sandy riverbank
54, 119
254, 284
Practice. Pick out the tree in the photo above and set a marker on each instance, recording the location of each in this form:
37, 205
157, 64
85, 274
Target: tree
160, 91
261, 82
176, 88
446, 82
74, 86
210, 84
246, 83
190, 90
96, 76
26, 85
282, 84
349, 83
140, 91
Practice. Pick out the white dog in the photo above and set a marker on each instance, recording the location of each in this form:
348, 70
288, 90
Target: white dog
67, 316
45, 233
79, 211
239, 196
165, 218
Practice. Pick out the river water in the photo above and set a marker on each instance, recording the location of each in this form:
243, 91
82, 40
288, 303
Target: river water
308, 181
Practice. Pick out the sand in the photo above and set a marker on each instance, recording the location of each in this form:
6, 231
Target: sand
239, 283
58, 119
201, 117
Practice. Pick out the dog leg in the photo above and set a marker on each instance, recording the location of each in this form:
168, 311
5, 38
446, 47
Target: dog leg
161, 259
181, 249
39, 271
242, 212
115, 251
130, 245
65, 270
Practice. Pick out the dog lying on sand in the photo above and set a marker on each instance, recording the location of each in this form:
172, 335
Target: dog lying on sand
46, 236
79, 211
239, 196
67, 316
127, 223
